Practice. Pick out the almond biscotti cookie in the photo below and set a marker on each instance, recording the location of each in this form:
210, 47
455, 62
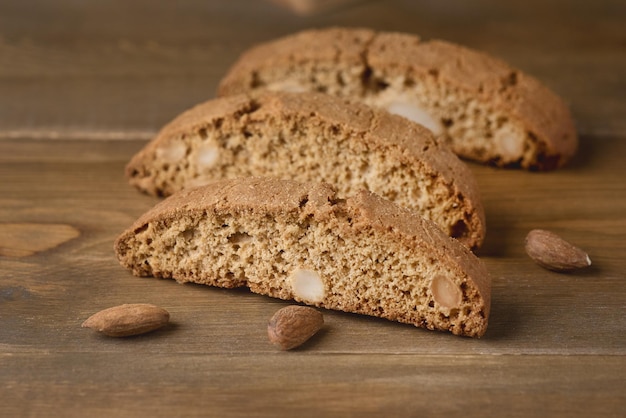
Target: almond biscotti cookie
486, 110
299, 241
314, 137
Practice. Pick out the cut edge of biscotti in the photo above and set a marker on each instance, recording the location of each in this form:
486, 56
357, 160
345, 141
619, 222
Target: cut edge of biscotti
314, 137
299, 241
486, 110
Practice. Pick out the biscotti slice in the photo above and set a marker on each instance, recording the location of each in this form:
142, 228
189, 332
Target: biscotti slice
299, 241
314, 137
485, 109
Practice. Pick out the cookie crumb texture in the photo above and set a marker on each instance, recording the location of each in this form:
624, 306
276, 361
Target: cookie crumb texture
299, 242
486, 110
314, 137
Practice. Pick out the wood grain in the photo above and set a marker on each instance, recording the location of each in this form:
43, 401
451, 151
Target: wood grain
298, 384
83, 85
119, 67
83, 186
311, 7
24, 239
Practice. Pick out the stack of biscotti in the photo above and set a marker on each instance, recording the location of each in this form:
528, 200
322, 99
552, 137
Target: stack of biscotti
291, 240
486, 110
326, 173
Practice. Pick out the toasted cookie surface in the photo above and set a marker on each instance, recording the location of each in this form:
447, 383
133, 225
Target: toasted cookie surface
485, 109
292, 240
311, 137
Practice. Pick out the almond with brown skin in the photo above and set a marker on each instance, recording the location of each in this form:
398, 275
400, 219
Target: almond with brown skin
128, 319
554, 253
292, 325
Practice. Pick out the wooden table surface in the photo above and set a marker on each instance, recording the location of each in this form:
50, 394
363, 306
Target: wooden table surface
83, 85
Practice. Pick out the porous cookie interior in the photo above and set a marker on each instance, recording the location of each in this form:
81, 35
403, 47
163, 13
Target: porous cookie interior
315, 262
293, 148
477, 122
471, 127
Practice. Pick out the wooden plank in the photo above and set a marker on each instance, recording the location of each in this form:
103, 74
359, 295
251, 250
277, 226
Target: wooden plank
311, 7
115, 67
115, 71
130, 379
80, 184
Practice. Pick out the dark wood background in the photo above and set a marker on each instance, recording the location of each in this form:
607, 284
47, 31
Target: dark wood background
83, 85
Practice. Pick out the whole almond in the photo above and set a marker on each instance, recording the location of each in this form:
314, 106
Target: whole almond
554, 253
128, 319
292, 325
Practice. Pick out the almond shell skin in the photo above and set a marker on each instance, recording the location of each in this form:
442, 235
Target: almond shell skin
552, 252
128, 319
293, 325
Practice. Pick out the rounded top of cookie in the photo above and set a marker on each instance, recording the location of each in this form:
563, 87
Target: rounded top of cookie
413, 143
374, 228
486, 77
408, 143
365, 210
543, 114
331, 44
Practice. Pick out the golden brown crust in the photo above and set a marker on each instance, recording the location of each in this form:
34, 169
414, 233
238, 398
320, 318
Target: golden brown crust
365, 221
265, 195
321, 116
335, 45
487, 78
190, 121
539, 114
